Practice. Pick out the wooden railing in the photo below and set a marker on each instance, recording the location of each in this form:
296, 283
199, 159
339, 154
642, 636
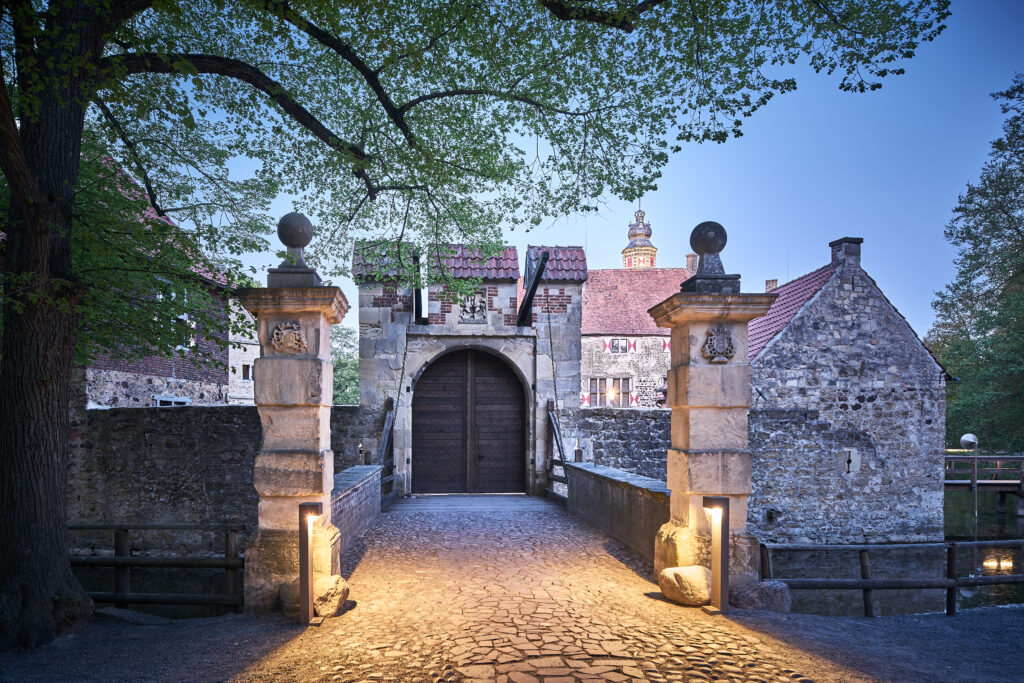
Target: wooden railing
385, 454
122, 561
986, 471
866, 583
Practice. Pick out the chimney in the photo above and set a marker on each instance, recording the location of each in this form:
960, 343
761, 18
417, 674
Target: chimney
691, 264
771, 285
846, 250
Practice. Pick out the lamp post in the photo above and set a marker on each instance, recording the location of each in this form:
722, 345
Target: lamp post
308, 514
718, 508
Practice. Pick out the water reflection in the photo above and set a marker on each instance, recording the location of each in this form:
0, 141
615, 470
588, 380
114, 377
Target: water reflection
922, 563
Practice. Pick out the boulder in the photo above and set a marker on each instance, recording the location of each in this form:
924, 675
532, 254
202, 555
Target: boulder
769, 595
329, 594
686, 585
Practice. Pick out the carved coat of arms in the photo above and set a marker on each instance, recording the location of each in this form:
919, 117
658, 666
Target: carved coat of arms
288, 338
718, 348
474, 309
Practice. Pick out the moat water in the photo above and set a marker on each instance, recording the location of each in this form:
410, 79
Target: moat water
923, 563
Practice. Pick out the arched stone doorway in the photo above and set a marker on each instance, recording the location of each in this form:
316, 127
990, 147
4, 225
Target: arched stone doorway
468, 426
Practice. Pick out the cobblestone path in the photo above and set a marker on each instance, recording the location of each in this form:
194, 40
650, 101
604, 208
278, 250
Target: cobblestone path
516, 590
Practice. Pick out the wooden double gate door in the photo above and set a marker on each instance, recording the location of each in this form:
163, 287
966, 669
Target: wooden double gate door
468, 424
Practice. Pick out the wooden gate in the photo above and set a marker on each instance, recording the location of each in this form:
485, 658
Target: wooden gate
468, 423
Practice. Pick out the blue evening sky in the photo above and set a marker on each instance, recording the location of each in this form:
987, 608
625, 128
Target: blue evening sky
819, 164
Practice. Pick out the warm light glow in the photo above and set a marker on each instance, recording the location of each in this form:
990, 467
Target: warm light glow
309, 521
998, 563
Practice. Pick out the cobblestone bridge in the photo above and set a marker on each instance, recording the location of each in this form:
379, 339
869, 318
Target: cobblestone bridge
511, 588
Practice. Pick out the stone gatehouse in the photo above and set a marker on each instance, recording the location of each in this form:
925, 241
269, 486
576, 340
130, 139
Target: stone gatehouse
470, 387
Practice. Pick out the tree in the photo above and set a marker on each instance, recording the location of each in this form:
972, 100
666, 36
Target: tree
430, 122
345, 357
979, 328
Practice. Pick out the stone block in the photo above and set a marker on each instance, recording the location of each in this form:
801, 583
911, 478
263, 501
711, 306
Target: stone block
293, 473
709, 429
689, 586
719, 386
767, 595
675, 546
288, 381
709, 472
295, 428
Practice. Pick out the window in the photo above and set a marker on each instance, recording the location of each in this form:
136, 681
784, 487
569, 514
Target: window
619, 346
596, 392
171, 401
618, 395
246, 372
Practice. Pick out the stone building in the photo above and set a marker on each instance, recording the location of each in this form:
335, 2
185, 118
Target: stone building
848, 414
166, 381
469, 386
847, 418
242, 355
625, 355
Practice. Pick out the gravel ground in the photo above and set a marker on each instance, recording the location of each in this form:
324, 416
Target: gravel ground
518, 592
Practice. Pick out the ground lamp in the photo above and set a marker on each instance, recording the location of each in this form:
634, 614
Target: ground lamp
308, 514
717, 508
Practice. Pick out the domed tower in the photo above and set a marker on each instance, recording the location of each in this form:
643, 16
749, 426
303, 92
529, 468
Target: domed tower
639, 253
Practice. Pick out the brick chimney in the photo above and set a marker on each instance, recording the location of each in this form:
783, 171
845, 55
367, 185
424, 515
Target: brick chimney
770, 285
846, 249
691, 263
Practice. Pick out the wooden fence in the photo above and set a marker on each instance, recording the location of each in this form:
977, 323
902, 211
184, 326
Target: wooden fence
122, 561
866, 583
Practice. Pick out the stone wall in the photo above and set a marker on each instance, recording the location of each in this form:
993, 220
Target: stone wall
634, 440
646, 362
849, 443
628, 507
175, 466
106, 388
355, 501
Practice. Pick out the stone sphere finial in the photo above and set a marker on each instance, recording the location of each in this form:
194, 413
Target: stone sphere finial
969, 442
294, 230
708, 238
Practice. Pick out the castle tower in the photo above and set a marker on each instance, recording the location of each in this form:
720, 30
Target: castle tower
639, 253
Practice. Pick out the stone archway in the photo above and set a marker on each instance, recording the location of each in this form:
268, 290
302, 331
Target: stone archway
469, 426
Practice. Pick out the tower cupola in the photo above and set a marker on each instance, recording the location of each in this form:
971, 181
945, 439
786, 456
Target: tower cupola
639, 253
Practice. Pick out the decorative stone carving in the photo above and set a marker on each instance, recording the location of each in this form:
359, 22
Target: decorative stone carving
288, 337
474, 309
719, 347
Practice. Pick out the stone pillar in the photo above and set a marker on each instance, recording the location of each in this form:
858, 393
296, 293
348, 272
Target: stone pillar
709, 393
293, 389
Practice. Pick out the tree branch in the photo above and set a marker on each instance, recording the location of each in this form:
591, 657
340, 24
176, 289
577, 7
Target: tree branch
622, 20
133, 151
344, 50
15, 165
151, 62
522, 99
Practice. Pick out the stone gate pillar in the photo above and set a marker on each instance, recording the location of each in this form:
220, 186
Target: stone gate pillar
709, 393
293, 389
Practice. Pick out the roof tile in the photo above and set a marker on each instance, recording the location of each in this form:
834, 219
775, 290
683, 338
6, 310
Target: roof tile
792, 296
565, 264
615, 300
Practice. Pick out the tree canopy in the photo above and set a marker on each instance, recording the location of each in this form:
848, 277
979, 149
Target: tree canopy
423, 122
979, 328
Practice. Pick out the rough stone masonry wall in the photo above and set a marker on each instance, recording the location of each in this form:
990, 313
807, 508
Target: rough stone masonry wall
847, 373
173, 466
634, 440
355, 501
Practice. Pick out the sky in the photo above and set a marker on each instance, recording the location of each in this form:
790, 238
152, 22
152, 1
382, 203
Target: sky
820, 164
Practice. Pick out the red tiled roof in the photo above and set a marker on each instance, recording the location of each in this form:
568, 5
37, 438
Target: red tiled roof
464, 262
460, 262
564, 263
615, 300
792, 296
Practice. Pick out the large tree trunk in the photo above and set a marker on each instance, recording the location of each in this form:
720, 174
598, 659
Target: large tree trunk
38, 593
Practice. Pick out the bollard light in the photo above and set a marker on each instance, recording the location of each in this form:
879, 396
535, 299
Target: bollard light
717, 508
308, 514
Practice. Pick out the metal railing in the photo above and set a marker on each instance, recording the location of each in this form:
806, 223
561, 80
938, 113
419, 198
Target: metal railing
122, 561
